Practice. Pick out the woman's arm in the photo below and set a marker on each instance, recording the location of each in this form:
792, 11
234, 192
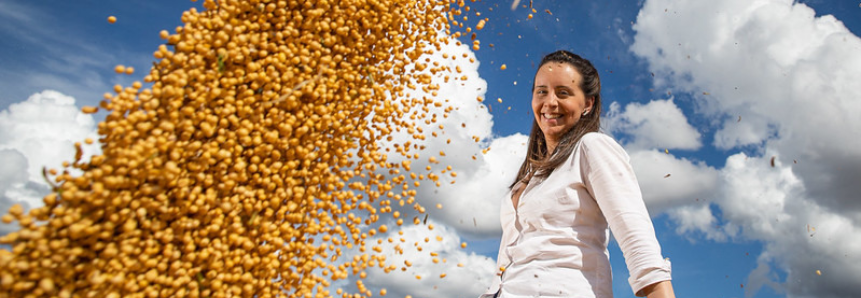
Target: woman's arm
661, 289
610, 179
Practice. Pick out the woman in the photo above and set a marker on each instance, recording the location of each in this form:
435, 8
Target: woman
573, 184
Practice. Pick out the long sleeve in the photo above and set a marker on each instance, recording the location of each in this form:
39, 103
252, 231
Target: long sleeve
610, 179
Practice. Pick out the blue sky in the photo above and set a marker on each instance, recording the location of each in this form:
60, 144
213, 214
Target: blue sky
721, 86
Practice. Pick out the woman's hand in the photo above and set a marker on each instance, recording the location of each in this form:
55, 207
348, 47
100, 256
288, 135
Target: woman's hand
661, 289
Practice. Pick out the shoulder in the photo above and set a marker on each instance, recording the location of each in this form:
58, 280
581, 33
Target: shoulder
596, 143
598, 140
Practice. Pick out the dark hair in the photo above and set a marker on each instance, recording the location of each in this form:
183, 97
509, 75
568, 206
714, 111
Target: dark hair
538, 162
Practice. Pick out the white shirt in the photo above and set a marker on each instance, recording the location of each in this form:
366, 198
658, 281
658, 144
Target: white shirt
555, 243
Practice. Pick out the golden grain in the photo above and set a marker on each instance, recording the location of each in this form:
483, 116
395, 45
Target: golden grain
249, 164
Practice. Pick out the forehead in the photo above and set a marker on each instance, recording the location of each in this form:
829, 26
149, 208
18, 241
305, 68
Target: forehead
557, 73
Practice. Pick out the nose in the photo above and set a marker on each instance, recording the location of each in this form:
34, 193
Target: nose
552, 100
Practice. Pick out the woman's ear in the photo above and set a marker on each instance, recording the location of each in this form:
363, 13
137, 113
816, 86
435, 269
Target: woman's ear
589, 103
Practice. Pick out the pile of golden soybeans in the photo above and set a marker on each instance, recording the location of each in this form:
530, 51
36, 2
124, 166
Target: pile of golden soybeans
251, 164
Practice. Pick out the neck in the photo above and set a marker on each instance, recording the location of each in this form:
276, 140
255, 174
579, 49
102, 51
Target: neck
551, 145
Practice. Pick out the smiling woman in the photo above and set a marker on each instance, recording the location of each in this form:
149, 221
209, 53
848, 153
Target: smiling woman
567, 89
558, 102
573, 186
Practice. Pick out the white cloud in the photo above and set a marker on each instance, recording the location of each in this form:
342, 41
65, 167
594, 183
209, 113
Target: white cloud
470, 206
657, 124
759, 277
646, 131
44, 128
483, 168
697, 218
776, 79
737, 133
11, 181
769, 204
466, 274
667, 181
36, 133
14, 163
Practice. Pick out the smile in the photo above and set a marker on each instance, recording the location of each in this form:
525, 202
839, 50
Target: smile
551, 116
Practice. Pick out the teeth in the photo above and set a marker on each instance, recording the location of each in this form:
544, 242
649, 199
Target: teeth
552, 116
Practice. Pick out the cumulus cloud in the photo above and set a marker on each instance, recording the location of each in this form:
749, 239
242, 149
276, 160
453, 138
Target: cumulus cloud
776, 81
438, 266
470, 193
482, 165
667, 181
770, 204
657, 124
472, 204
11, 180
646, 131
36, 133
695, 219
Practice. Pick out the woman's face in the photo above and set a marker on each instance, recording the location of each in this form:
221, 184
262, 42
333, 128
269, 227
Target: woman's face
557, 100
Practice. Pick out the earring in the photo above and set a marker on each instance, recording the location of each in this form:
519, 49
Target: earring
585, 113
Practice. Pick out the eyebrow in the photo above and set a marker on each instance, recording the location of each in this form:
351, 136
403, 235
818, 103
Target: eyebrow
557, 87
